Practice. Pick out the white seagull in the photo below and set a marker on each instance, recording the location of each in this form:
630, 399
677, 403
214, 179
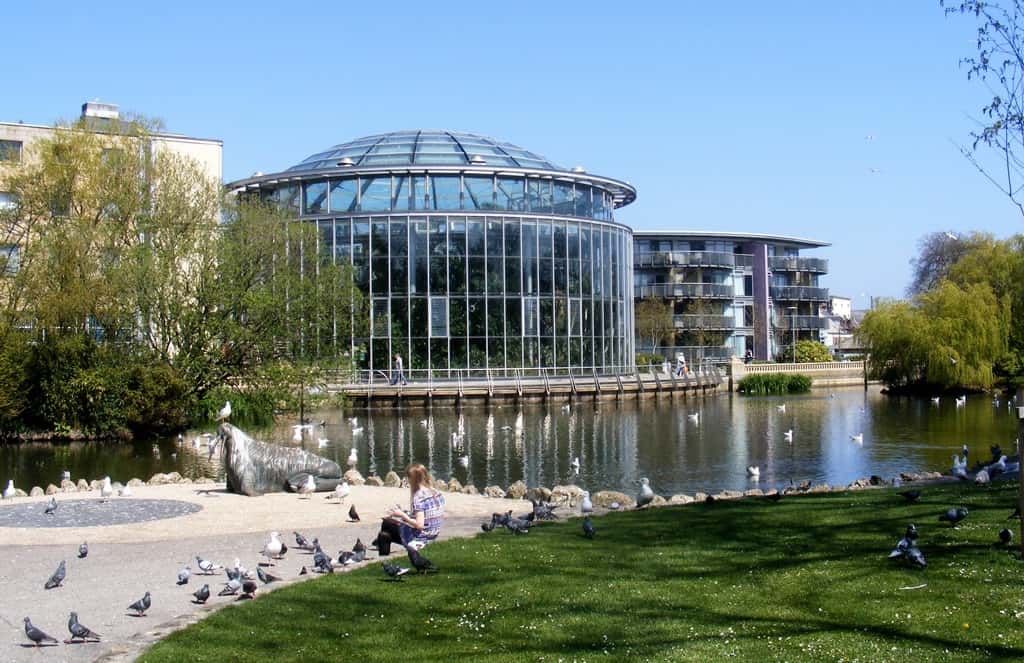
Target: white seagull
858, 438
322, 442
225, 411
273, 547
126, 491
586, 506
961, 401
781, 408
935, 400
575, 464
353, 457
695, 417
342, 490
754, 471
309, 487
106, 490
464, 461
788, 435
9, 491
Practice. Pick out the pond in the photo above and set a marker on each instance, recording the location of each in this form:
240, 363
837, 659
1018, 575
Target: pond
616, 443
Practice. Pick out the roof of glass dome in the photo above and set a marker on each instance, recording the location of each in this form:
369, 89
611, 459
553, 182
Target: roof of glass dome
425, 148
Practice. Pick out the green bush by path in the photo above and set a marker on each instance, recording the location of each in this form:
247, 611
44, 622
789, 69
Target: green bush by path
806, 579
761, 384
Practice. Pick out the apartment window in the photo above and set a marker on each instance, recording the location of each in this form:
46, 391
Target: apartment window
8, 200
438, 317
10, 258
10, 150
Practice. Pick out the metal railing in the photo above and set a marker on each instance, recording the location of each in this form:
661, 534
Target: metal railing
698, 321
439, 376
695, 354
685, 290
809, 367
800, 322
796, 264
798, 293
690, 259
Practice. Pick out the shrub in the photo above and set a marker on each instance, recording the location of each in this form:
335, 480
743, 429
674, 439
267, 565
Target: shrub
806, 352
643, 359
761, 384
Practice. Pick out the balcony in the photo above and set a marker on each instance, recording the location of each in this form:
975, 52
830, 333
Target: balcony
706, 322
794, 264
686, 259
800, 322
798, 293
684, 291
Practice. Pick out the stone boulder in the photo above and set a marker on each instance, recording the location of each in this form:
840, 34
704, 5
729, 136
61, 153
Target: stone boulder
753, 492
18, 492
374, 480
95, 484
354, 478
516, 491
820, 488
470, 489
254, 467
35, 492
567, 494
198, 480
159, 479
494, 491
174, 477
68, 486
859, 483
135, 482
604, 498
441, 485
83, 486
729, 495
700, 497
658, 501
540, 493
52, 490
392, 480
454, 486
680, 499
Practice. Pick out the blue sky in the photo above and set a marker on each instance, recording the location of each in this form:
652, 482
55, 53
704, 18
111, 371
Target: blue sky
725, 116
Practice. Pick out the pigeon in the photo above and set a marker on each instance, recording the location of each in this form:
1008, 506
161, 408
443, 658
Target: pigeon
345, 557
360, 546
207, 567
265, 578
394, 571
241, 571
586, 506
906, 549
142, 605
274, 548
541, 511
358, 556
358, 430
1005, 536
982, 478
419, 562
518, 526
487, 527
301, 542
80, 631
231, 587
1015, 514
202, 594
83, 550
646, 495
954, 516
501, 519
307, 488
322, 442
321, 562
58, 576
248, 589
911, 495
184, 574
303, 571
37, 636
51, 507
963, 449
106, 490
353, 515
588, 528
225, 411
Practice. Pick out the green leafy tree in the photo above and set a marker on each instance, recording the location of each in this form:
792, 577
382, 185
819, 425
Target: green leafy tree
654, 322
807, 351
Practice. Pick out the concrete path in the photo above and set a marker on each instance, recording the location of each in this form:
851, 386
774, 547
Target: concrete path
126, 560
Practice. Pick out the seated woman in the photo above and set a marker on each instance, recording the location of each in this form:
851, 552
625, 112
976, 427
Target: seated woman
422, 523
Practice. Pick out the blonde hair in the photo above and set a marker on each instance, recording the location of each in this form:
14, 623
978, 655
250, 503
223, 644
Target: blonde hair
419, 477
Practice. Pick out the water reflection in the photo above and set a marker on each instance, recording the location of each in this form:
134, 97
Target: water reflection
616, 443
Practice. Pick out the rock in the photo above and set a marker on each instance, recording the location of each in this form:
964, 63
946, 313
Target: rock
52, 490
494, 491
909, 476
700, 497
254, 467
571, 494
158, 479
931, 476
392, 480
859, 483
659, 501
135, 482
516, 491
539, 493
728, 495
606, 497
680, 499
441, 485
35, 492
753, 492
820, 488
470, 489
184, 480
876, 480
199, 480
174, 477
68, 486
95, 484
373, 480
354, 478
18, 492
83, 486
454, 486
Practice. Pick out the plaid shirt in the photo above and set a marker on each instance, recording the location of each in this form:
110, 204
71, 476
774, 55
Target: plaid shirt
431, 503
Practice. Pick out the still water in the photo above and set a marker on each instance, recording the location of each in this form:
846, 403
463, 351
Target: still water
616, 443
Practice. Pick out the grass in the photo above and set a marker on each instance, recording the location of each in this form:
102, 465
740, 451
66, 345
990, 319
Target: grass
760, 384
805, 579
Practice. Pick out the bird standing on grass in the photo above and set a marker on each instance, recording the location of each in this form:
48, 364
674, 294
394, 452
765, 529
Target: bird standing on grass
394, 571
954, 516
1005, 536
588, 528
911, 495
419, 562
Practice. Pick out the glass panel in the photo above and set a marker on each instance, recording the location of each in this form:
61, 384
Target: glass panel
456, 237
475, 235
379, 276
402, 196
513, 317
600, 209
326, 240
513, 275
477, 276
375, 193
419, 192
531, 315
438, 276
10, 150
496, 352
495, 317
494, 239
538, 195
379, 237
316, 198
399, 274
399, 240
444, 192
479, 192
559, 239
343, 195
477, 316
561, 278
438, 237
418, 316
379, 321
530, 285
418, 264
360, 239
544, 239
512, 243
510, 194
495, 275
457, 353
418, 354
288, 197
582, 200
546, 276
563, 199
457, 316
478, 353
457, 275
438, 316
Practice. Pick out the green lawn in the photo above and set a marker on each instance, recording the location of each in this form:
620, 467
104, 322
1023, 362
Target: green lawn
804, 579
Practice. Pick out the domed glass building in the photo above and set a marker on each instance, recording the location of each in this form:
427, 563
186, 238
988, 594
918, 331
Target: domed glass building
474, 253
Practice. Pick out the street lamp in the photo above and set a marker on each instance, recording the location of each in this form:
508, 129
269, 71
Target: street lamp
792, 324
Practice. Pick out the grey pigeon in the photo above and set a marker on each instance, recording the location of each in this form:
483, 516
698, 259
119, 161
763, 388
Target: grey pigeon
518, 526
58, 576
394, 571
248, 589
142, 605
265, 578
500, 519
353, 516
906, 549
202, 594
301, 542
358, 555
954, 516
914, 557
231, 587
79, 631
321, 562
37, 636
206, 567
303, 571
233, 574
646, 495
184, 574
588, 528
419, 562
345, 557
487, 527
359, 546
83, 550
1005, 536
911, 495
51, 507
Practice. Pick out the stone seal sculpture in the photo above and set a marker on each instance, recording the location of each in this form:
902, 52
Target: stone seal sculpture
255, 467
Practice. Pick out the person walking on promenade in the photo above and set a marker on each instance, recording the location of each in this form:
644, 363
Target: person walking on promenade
398, 374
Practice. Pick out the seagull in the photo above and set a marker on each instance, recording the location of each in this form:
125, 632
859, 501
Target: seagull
184, 574
341, 491
353, 515
781, 408
207, 567
954, 516
646, 495
202, 594
935, 400
9, 491
754, 471
274, 548
52, 506
353, 457
58, 576
464, 461
142, 605
83, 550
322, 442
1005, 536
126, 491
959, 467
575, 464
695, 417
788, 435
106, 490
982, 478
566, 407
357, 431
424, 423
961, 401
79, 630
586, 506
308, 487
394, 571
858, 438
354, 421
588, 528
37, 636
225, 411
997, 467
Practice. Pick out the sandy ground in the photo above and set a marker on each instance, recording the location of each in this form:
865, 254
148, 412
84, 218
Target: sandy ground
125, 561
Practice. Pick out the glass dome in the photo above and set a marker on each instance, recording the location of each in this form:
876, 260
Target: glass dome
425, 148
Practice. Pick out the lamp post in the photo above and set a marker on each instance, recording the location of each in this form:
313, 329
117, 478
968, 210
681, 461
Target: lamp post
792, 324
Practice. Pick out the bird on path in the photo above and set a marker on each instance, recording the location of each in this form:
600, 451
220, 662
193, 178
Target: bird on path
954, 516
37, 636
321, 562
249, 588
419, 562
307, 488
231, 587
341, 491
80, 631
588, 528
359, 546
346, 557
911, 495
274, 548
51, 507
10, 491
106, 490
353, 515
184, 574
788, 435
83, 550
265, 578
225, 412
142, 605
202, 594
354, 421
586, 506
353, 457
646, 495
303, 571
126, 491
302, 543
394, 571
58, 576
858, 438
207, 567
1005, 536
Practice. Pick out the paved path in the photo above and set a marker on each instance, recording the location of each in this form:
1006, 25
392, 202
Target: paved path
126, 560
